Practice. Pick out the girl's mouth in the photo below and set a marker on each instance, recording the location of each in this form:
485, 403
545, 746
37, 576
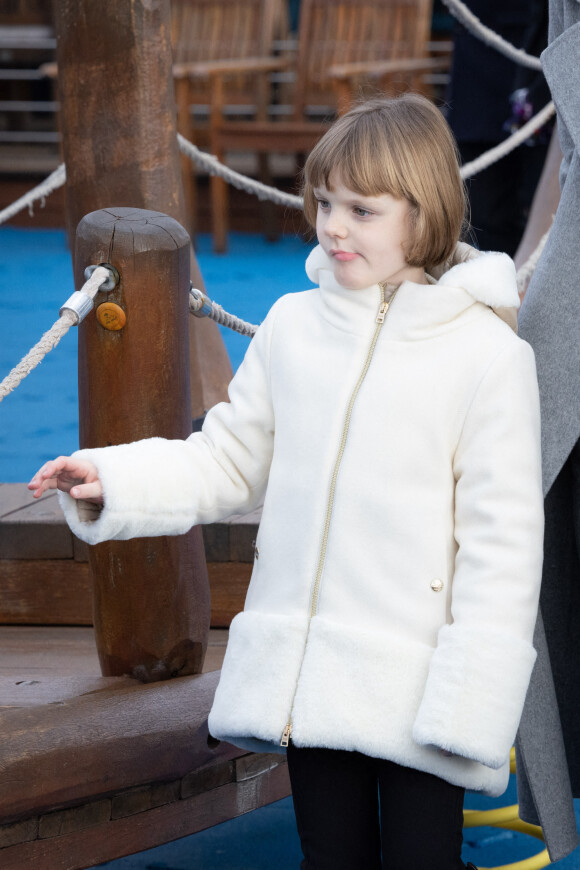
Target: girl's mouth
344, 256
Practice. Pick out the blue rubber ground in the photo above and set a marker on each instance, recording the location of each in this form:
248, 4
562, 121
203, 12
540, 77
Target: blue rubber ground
266, 840
39, 421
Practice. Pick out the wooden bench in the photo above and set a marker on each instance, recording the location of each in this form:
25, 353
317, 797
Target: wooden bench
94, 768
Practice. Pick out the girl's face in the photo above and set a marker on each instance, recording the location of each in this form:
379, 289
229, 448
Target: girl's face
364, 236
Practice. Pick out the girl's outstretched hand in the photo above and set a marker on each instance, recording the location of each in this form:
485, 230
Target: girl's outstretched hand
76, 476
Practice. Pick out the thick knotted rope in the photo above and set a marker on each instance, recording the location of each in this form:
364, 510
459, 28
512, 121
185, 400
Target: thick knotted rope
472, 23
510, 144
51, 338
202, 306
213, 167
55, 180
526, 271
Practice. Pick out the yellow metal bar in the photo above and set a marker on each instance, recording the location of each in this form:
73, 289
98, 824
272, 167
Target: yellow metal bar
536, 862
508, 817
478, 818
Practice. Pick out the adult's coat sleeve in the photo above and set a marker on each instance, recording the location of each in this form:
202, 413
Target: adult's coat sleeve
481, 667
163, 487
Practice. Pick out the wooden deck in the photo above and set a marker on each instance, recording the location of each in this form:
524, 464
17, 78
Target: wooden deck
44, 577
48, 664
92, 767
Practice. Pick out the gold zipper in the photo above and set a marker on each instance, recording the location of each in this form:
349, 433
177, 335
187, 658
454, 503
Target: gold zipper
379, 320
286, 735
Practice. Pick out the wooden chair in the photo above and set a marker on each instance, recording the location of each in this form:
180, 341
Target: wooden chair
346, 48
230, 39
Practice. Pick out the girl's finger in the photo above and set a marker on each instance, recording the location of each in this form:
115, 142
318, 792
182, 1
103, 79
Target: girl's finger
39, 486
49, 469
92, 491
35, 480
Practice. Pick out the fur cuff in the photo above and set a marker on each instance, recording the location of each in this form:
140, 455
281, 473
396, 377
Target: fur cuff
475, 694
149, 490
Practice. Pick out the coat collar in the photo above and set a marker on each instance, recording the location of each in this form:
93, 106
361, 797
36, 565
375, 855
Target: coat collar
418, 310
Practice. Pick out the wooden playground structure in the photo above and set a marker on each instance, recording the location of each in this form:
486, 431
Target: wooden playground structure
97, 766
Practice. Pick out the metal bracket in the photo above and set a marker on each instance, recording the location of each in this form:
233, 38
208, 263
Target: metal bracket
109, 283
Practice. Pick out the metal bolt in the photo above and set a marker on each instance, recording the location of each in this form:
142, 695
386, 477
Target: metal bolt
201, 300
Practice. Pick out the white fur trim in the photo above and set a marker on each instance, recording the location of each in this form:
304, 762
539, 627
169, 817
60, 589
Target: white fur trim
317, 261
259, 675
148, 490
475, 694
360, 690
489, 278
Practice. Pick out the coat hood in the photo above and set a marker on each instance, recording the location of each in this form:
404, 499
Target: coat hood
489, 277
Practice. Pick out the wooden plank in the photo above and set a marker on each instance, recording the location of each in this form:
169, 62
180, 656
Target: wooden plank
18, 832
52, 591
105, 742
46, 653
243, 534
228, 582
41, 652
15, 496
58, 592
139, 800
113, 839
29, 529
75, 819
34, 692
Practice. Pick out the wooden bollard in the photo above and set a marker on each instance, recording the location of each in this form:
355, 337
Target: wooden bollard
151, 595
119, 139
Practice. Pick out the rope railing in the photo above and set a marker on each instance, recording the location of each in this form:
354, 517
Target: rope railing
213, 166
468, 170
71, 313
55, 180
201, 305
472, 23
526, 271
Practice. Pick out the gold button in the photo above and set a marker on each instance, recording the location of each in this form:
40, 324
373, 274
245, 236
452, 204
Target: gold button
111, 316
437, 585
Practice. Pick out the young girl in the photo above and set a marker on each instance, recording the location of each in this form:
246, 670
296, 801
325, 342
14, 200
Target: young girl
388, 420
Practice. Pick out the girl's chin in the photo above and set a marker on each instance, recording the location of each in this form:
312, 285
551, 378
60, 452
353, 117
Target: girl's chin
348, 278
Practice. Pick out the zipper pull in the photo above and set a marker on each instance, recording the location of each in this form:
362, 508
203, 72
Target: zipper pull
286, 735
383, 308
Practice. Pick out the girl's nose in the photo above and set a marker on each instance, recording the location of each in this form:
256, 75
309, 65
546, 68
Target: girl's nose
335, 226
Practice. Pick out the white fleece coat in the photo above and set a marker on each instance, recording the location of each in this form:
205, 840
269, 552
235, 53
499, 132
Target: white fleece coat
406, 627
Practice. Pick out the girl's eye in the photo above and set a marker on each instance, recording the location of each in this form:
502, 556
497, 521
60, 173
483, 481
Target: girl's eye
361, 212
323, 204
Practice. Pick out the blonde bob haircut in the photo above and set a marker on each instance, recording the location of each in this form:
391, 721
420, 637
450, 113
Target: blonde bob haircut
403, 147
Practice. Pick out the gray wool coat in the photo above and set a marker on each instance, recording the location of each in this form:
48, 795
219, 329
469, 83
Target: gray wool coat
548, 746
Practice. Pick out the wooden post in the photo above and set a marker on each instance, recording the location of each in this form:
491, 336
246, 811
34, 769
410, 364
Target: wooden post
151, 595
119, 137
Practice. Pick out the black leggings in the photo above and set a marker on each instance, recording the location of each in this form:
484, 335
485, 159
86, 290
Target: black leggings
350, 808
